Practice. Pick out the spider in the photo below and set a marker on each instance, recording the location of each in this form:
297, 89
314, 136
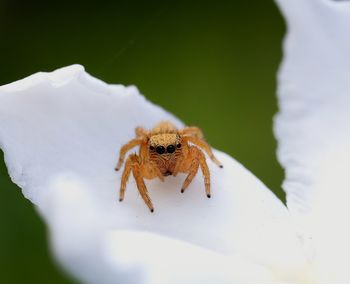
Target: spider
165, 150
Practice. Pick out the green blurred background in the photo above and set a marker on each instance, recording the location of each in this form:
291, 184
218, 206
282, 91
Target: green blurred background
212, 63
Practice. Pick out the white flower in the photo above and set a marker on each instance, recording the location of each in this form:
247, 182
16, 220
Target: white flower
61, 132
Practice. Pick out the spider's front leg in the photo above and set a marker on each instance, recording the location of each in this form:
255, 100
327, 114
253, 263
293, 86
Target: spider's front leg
132, 143
125, 177
196, 158
205, 170
205, 146
193, 169
133, 164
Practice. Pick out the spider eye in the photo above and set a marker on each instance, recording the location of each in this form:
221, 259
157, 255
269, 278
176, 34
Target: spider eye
170, 149
178, 145
160, 150
151, 148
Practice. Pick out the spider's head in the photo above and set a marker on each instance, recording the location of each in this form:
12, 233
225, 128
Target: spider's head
164, 144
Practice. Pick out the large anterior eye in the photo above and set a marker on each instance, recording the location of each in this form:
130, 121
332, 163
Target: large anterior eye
170, 149
160, 149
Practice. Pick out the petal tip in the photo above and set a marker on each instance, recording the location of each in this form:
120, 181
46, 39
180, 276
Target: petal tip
56, 78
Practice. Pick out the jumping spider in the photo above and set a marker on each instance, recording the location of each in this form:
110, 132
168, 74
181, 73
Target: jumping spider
165, 150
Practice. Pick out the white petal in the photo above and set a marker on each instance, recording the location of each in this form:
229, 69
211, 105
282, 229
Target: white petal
313, 129
61, 133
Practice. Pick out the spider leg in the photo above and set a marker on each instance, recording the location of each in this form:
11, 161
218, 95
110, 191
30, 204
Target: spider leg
197, 159
205, 146
141, 185
132, 143
192, 172
141, 132
125, 177
192, 130
133, 164
205, 171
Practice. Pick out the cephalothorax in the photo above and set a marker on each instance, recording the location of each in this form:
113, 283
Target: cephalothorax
165, 150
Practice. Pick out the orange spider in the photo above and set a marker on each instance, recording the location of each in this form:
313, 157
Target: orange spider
165, 151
